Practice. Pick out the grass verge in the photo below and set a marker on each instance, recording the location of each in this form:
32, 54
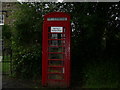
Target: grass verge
102, 75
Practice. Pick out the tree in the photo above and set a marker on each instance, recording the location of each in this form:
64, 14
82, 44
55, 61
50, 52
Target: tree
95, 36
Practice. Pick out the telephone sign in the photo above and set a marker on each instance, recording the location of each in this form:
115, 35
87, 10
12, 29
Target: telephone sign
56, 29
56, 50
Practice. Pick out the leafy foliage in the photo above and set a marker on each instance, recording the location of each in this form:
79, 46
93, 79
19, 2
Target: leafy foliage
26, 42
6, 32
6, 35
95, 38
27, 63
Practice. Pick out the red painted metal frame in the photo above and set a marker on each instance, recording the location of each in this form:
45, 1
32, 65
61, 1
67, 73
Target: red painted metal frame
67, 62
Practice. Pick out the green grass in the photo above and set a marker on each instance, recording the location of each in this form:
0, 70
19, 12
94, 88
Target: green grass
6, 58
6, 65
0, 67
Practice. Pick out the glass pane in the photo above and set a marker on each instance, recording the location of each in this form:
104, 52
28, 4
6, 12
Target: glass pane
56, 42
49, 29
55, 76
56, 63
56, 49
56, 70
55, 56
56, 36
1, 19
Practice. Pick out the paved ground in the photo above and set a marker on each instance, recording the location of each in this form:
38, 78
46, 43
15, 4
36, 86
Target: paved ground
8, 82
12, 83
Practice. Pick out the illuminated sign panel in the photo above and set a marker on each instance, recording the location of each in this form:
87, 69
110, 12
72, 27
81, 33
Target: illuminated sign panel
57, 19
56, 29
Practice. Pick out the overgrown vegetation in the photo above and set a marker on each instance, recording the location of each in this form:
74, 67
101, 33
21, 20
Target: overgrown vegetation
95, 41
26, 42
102, 74
27, 63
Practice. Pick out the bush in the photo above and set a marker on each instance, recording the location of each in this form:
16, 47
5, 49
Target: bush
27, 62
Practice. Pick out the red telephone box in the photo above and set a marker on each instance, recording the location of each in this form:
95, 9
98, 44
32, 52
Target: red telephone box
56, 50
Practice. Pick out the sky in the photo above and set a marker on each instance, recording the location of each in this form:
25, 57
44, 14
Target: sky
38, 0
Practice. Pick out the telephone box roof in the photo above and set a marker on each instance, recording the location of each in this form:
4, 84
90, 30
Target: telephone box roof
57, 15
